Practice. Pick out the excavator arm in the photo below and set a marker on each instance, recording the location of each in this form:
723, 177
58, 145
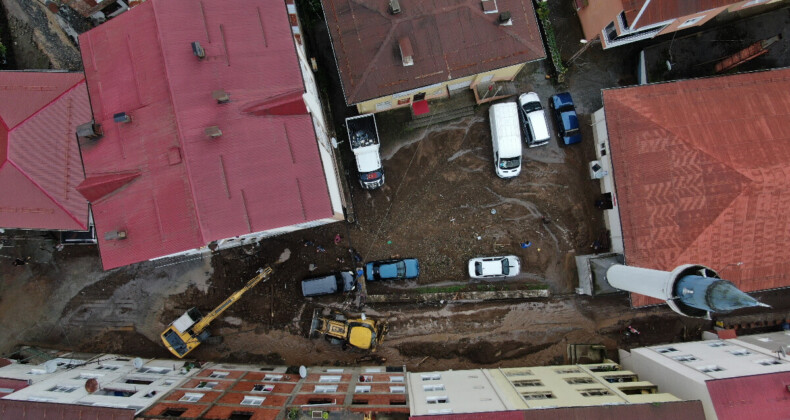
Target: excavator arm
201, 325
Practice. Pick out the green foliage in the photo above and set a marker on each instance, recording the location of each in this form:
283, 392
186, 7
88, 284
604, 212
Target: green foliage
551, 39
3, 49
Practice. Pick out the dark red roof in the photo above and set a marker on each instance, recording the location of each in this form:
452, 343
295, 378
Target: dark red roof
751, 397
450, 40
663, 10
11, 384
159, 177
702, 175
677, 410
31, 410
40, 163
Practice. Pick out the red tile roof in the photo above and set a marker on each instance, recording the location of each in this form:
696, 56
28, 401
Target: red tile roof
40, 163
450, 40
702, 175
662, 10
676, 410
31, 410
751, 397
263, 172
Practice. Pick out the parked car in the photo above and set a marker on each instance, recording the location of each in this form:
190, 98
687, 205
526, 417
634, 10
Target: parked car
564, 113
329, 284
506, 139
492, 267
395, 269
533, 120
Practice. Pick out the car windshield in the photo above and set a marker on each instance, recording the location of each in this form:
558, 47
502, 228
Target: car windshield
401, 268
509, 163
505, 267
532, 106
572, 132
479, 268
566, 107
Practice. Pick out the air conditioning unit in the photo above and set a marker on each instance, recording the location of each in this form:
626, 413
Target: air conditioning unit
394, 7
597, 171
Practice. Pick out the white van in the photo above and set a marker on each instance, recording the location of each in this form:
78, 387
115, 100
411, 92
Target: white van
506, 136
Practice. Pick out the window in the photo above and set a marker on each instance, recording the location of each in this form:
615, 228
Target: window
110, 392
333, 370
740, 352
173, 412
138, 381
574, 381
168, 382
373, 370
398, 389
764, 362
248, 400
691, 21
710, 368
663, 350
431, 377
397, 402
620, 378
717, 344
437, 400
356, 401
567, 370
152, 369
519, 372
266, 369
685, 358
191, 397
207, 385
442, 411
89, 376
62, 388
528, 382
273, 378
107, 367
433, 387
262, 388
362, 389
218, 374
396, 379
240, 415
329, 378
540, 395
325, 388
594, 392
317, 401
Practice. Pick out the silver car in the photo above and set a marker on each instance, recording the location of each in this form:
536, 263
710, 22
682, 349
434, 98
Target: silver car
493, 267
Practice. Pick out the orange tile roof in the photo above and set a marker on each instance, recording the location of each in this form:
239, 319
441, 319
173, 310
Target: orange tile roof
702, 175
661, 10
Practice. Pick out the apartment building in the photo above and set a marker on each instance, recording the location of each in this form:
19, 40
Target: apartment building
738, 378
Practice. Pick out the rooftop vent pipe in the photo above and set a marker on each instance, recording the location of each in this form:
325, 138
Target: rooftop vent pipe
394, 7
89, 130
504, 19
221, 96
199, 52
213, 132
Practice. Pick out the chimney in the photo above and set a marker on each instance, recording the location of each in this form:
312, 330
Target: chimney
199, 52
213, 132
122, 117
394, 7
489, 6
406, 52
504, 19
221, 96
89, 130
115, 235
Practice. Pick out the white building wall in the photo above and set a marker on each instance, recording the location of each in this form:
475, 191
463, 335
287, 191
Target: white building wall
461, 391
121, 384
602, 154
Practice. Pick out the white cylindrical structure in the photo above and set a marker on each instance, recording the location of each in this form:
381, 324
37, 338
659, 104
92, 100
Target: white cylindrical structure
645, 281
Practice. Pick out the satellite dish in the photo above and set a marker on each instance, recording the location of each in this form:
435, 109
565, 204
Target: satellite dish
137, 362
302, 372
51, 366
91, 385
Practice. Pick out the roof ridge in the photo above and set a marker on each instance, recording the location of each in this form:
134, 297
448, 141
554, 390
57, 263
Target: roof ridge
181, 142
46, 194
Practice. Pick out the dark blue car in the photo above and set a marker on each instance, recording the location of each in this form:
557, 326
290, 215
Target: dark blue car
564, 113
407, 268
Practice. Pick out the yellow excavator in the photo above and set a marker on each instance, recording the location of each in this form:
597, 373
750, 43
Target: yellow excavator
339, 328
187, 332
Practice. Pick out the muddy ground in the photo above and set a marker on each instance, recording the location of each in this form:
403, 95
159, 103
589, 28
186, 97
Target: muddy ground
442, 204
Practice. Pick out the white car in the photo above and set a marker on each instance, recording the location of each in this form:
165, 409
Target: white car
491, 267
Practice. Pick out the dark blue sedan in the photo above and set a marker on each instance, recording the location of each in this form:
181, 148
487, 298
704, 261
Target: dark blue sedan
407, 268
564, 113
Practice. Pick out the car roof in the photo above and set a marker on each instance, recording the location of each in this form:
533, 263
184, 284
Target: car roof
492, 267
563, 98
570, 120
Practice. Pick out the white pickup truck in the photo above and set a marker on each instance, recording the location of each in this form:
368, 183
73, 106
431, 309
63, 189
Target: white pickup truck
364, 139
